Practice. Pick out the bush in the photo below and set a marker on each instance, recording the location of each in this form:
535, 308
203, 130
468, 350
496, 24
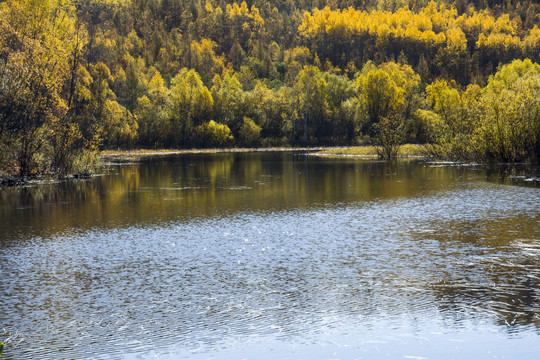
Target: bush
213, 134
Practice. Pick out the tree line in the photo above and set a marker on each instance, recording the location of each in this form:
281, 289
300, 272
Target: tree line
78, 76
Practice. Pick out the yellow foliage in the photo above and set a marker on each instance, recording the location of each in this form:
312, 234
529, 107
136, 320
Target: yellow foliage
250, 18
531, 43
455, 40
433, 27
213, 134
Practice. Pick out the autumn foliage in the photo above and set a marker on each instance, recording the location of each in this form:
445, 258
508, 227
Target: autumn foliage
77, 76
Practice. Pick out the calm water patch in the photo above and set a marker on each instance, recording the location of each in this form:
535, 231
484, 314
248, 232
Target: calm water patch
272, 256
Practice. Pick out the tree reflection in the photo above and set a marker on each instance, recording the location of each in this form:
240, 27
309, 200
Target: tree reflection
182, 187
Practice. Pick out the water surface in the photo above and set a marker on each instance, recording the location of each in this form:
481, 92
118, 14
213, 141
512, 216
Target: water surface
272, 256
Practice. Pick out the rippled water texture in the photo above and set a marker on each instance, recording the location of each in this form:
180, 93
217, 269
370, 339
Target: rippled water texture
272, 256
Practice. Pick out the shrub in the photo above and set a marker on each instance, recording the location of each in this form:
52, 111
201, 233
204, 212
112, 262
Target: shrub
213, 134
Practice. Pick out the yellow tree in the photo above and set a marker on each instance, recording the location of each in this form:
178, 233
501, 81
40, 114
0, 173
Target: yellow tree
103, 115
452, 59
39, 48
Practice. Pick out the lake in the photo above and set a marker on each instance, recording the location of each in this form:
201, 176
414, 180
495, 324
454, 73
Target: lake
273, 255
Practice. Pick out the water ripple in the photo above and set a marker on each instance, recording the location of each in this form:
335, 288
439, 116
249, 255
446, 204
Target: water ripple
415, 272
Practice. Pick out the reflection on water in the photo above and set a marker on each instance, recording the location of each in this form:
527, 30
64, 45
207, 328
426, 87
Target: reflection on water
272, 255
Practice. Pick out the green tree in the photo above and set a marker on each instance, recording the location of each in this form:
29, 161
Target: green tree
380, 95
310, 90
153, 115
389, 135
509, 128
273, 112
453, 120
132, 87
387, 92
249, 133
191, 104
446, 102
116, 124
228, 101
340, 126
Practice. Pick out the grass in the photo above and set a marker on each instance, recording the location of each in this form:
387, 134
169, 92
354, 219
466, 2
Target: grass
141, 153
407, 150
138, 152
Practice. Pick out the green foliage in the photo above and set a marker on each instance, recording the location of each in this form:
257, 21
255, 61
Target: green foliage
152, 111
310, 92
407, 150
509, 128
380, 95
498, 123
228, 100
387, 98
446, 102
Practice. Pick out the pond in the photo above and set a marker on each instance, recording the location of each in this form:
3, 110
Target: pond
273, 255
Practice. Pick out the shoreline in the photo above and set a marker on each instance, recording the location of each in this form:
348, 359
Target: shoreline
146, 153
368, 151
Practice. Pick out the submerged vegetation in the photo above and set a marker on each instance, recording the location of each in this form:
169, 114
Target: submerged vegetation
80, 76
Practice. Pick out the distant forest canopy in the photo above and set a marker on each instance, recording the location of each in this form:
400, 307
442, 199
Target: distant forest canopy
77, 76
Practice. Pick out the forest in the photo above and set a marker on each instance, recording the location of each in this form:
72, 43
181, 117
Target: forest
80, 76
